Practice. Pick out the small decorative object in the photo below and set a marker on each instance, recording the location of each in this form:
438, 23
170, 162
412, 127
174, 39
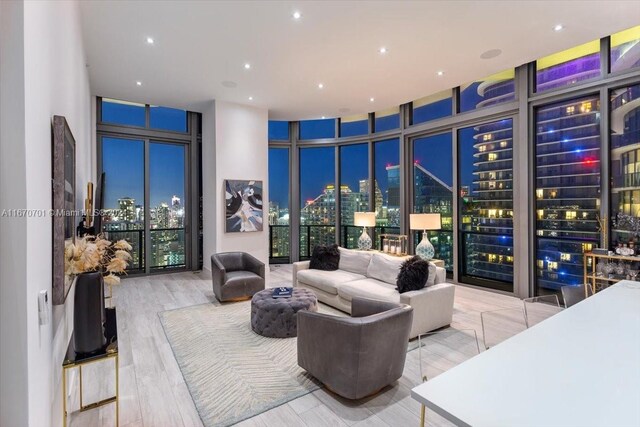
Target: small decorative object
63, 204
364, 220
619, 268
600, 268
243, 201
95, 261
633, 274
396, 244
385, 246
424, 222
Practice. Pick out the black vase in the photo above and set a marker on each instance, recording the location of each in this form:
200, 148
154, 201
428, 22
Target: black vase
88, 313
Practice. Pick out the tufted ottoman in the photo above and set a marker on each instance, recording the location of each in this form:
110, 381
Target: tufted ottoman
276, 317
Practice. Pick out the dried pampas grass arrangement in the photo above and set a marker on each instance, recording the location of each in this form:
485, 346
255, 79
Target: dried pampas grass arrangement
95, 253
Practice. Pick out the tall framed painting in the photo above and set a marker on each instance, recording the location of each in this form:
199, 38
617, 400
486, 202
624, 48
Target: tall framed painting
243, 201
64, 204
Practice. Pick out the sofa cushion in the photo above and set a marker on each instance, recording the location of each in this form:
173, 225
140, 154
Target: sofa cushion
354, 261
385, 268
369, 288
327, 281
325, 258
413, 275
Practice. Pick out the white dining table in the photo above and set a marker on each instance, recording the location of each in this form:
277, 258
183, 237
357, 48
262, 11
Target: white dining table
580, 367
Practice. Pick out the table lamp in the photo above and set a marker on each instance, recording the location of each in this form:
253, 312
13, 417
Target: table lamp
364, 220
424, 222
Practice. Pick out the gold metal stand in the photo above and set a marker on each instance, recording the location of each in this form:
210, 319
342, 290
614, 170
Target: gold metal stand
113, 399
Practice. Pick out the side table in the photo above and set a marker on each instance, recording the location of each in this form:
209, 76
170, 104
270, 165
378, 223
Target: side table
77, 360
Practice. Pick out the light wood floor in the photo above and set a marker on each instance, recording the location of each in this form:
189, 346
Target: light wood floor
153, 392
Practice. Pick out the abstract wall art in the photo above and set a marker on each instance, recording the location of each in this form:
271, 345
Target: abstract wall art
243, 200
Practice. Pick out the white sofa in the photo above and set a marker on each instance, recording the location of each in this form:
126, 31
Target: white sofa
373, 275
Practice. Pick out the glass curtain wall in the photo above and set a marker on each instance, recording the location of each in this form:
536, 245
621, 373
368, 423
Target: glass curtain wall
564, 91
279, 234
354, 190
167, 205
386, 168
123, 165
433, 190
485, 204
567, 152
317, 198
624, 127
146, 198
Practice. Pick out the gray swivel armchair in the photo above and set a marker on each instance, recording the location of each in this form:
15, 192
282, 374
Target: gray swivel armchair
356, 356
236, 276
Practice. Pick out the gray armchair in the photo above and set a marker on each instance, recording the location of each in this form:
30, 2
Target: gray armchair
356, 356
236, 276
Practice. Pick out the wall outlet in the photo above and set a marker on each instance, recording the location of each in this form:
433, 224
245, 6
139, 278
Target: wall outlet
43, 307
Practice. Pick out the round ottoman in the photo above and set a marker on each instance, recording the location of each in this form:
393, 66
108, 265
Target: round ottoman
276, 317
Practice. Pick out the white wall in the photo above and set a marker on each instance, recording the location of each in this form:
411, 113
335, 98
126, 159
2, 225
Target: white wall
13, 245
55, 83
235, 143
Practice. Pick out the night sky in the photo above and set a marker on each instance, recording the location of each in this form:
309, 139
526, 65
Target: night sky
123, 159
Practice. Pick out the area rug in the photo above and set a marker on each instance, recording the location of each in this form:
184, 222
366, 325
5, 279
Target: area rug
233, 373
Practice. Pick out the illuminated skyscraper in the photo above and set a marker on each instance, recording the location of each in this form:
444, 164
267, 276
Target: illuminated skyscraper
127, 207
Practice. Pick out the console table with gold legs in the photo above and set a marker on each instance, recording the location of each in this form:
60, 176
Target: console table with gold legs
78, 360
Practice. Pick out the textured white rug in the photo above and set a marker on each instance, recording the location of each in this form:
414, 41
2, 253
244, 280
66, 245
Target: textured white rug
233, 373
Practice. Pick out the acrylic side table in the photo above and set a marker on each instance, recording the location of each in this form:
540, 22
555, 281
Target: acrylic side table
78, 360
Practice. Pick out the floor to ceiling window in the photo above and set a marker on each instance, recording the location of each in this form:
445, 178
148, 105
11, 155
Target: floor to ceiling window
433, 190
386, 169
410, 148
567, 150
167, 205
279, 234
354, 190
145, 156
625, 165
317, 198
485, 204
123, 166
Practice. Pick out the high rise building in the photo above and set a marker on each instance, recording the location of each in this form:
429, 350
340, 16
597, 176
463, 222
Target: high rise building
567, 189
127, 207
487, 212
318, 219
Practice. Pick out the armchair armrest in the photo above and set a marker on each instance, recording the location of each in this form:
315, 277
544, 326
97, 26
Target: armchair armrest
299, 266
362, 307
253, 264
218, 271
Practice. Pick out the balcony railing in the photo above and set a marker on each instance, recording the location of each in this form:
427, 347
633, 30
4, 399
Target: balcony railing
168, 248
279, 244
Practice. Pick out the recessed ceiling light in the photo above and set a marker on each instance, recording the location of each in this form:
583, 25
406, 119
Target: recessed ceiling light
139, 83
247, 66
320, 85
383, 50
323, 117
296, 15
558, 27
371, 99
150, 40
440, 73
251, 98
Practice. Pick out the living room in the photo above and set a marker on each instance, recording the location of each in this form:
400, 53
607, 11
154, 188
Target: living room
354, 213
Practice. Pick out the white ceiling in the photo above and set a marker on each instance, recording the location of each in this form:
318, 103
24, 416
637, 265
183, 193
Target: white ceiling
198, 45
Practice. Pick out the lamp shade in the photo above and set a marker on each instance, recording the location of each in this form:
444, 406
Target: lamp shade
425, 221
364, 219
